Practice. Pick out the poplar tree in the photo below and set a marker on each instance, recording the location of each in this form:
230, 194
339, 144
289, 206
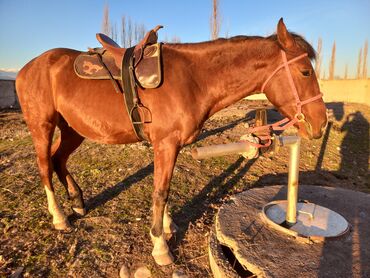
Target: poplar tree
332, 63
215, 21
359, 64
364, 67
319, 58
105, 28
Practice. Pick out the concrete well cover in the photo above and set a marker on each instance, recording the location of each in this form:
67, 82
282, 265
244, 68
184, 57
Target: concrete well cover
267, 252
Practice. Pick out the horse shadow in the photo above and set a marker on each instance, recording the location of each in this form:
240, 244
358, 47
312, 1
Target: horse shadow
212, 193
354, 151
272, 116
112, 192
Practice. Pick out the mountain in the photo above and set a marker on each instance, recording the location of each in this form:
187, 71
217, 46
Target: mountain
8, 74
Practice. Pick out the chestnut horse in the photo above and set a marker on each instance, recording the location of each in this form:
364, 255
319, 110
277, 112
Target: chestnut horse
199, 80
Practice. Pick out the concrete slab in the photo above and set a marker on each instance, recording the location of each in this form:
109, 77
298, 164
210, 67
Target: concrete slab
267, 252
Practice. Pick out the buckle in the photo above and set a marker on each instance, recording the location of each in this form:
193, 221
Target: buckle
300, 117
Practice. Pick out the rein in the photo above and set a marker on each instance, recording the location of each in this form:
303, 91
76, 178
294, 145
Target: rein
286, 122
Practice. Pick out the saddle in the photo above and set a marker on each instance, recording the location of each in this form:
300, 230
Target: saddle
106, 62
140, 64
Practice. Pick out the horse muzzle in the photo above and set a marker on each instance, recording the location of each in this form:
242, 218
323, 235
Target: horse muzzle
312, 133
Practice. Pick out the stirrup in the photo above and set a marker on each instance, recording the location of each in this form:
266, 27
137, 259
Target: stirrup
144, 111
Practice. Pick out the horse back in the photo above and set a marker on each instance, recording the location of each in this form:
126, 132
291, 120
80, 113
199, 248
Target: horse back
33, 83
48, 87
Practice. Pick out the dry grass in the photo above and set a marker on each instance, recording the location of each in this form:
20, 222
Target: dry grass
117, 185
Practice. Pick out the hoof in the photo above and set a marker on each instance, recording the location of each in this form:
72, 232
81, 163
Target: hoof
63, 226
161, 253
79, 211
124, 272
163, 259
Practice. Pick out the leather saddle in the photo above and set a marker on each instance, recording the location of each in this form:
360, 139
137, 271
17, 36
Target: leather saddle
106, 62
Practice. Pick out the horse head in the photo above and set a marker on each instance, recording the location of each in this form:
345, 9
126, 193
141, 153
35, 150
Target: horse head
293, 87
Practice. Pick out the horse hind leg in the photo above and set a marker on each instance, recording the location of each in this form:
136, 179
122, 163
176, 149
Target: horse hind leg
42, 133
68, 142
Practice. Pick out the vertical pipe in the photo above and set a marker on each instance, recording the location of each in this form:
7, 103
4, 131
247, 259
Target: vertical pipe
261, 117
291, 214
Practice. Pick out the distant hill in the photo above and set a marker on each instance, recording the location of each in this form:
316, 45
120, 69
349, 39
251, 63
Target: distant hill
8, 74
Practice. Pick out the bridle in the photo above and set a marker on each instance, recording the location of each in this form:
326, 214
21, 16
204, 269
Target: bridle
286, 122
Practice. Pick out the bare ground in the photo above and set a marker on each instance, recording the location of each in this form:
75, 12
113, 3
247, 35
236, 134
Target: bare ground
117, 185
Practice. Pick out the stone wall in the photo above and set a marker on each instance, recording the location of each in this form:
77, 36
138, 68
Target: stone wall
357, 91
8, 96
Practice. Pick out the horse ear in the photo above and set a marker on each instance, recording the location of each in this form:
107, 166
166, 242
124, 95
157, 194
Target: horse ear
285, 39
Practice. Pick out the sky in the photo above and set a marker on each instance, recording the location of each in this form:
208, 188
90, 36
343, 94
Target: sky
30, 27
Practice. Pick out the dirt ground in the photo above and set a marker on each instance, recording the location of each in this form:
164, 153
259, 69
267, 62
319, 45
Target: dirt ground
117, 186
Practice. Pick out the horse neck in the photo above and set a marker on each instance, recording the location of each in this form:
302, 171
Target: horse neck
228, 70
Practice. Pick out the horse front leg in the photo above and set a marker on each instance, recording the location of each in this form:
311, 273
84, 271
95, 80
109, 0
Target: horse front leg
169, 227
165, 154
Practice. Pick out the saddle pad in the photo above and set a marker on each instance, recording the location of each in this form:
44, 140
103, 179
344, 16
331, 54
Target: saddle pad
88, 66
148, 71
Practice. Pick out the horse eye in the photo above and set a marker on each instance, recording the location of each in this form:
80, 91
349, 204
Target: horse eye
306, 73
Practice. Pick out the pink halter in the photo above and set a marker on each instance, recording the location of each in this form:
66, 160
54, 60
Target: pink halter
299, 116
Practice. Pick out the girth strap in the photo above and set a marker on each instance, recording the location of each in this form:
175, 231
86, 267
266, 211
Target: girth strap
130, 93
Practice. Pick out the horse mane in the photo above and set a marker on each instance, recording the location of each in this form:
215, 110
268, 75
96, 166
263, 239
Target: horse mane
300, 41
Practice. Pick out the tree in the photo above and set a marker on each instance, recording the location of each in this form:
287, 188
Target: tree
215, 21
141, 30
319, 58
105, 28
364, 68
113, 32
175, 39
359, 64
123, 31
130, 32
332, 63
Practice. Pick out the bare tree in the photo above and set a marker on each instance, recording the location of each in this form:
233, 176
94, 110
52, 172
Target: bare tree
130, 32
319, 58
175, 39
105, 28
136, 33
359, 65
113, 32
165, 38
140, 32
345, 72
332, 63
123, 31
215, 21
364, 67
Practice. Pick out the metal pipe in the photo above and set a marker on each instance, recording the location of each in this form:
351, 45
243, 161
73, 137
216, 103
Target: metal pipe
222, 149
293, 142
